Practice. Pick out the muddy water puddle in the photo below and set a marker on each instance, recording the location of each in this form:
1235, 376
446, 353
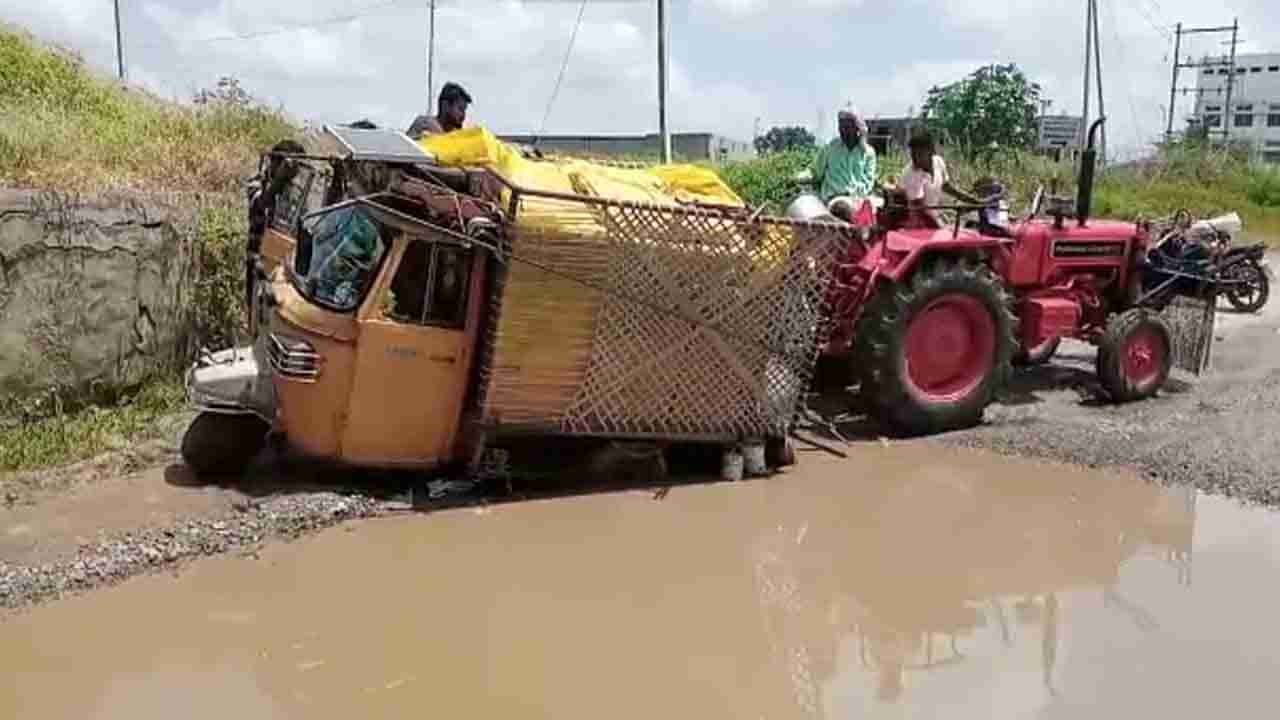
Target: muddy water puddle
902, 583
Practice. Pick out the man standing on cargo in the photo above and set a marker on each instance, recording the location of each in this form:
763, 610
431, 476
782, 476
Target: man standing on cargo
451, 113
845, 170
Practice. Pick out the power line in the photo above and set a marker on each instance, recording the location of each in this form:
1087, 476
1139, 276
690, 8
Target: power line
279, 30
1153, 22
563, 66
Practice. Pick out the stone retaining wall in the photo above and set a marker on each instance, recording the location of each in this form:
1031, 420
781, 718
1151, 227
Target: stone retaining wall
94, 290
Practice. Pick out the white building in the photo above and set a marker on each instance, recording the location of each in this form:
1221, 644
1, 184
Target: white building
1254, 113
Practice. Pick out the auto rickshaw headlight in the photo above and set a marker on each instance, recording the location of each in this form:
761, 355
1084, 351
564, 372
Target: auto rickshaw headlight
293, 357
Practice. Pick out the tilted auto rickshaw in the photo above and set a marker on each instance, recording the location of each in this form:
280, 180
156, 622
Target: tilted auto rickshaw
406, 314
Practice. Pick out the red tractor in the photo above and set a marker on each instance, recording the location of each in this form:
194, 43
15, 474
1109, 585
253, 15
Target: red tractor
930, 321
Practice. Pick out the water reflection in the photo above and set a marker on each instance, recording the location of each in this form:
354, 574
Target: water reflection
927, 576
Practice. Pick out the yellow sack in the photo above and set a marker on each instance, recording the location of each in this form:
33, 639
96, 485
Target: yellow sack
700, 183
471, 147
666, 184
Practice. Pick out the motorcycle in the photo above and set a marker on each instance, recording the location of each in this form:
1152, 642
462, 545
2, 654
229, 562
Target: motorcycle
1247, 282
1204, 248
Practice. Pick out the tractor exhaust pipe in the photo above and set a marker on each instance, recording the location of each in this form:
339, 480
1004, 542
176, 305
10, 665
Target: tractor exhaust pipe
1088, 162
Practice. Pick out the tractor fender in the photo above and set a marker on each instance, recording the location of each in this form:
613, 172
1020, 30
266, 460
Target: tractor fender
901, 252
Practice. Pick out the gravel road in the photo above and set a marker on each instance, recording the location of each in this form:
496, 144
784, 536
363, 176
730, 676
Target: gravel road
1219, 433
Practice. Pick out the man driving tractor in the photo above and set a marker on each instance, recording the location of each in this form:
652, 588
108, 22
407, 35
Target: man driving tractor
925, 179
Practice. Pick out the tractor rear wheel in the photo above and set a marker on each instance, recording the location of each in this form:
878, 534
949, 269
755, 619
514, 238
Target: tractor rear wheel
933, 353
1135, 355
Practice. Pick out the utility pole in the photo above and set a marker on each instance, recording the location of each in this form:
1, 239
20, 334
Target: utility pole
119, 46
1228, 64
431, 55
1088, 60
663, 67
1097, 63
1173, 88
1231, 82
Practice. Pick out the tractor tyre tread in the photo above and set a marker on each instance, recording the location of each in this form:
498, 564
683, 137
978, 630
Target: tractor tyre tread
881, 331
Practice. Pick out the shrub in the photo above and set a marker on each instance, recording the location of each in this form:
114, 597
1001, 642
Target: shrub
217, 301
63, 128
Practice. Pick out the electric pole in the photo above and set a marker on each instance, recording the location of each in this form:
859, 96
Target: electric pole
1097, 63
1229, 64
663, 131
1173, 88
1088, 60
431, 55
119, 46
1231, 82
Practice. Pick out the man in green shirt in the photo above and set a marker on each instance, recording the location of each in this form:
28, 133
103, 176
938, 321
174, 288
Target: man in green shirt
845, 170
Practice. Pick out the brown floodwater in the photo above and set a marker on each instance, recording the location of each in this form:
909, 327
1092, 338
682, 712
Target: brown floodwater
904, 582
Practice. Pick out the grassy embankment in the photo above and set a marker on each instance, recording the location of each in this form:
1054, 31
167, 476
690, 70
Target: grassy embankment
64, 128
1204, 181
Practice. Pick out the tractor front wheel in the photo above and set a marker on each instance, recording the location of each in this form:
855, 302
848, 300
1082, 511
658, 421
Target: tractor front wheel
932, 354
1135, 355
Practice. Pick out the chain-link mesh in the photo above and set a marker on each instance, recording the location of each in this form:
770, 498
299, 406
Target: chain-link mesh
1191, 324
650, 321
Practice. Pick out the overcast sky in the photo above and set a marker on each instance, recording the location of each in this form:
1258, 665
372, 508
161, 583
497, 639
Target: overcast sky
732, 61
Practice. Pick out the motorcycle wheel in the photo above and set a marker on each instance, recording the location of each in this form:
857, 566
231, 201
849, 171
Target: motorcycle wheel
1253, 290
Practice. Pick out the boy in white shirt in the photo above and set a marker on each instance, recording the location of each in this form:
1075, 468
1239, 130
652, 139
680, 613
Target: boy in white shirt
925, 179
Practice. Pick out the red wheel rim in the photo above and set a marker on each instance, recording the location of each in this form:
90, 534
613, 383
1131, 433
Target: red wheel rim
1144, 356
950, 346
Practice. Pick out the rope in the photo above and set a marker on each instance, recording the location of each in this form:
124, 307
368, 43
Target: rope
563, 67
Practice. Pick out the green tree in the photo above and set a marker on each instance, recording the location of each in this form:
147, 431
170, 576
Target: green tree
782, 139
995, 106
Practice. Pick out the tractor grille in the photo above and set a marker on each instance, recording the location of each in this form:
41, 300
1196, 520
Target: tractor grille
1191, 324
293, 358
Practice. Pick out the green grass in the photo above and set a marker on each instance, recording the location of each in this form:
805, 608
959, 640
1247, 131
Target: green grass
64, 128
1205, 181
63, 438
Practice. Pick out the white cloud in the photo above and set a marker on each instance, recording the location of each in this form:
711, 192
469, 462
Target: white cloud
732, 60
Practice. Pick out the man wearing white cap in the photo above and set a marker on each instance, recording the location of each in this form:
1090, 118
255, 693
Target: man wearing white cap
845, 170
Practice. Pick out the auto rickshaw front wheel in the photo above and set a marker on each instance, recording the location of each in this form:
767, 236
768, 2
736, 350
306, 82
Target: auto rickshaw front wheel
221, 444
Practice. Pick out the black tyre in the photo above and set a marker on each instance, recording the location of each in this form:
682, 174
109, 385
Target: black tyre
1250, 296
1039, 354
218, 444
933, 353
1135, 355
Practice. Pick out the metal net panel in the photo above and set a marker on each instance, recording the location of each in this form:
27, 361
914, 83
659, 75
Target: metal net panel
662, 322
1191, 324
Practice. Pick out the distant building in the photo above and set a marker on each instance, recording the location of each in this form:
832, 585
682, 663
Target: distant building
1254, 113
690, 147
888, 134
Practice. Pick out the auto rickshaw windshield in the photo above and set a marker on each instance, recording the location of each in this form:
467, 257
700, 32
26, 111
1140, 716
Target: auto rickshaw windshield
338, 255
